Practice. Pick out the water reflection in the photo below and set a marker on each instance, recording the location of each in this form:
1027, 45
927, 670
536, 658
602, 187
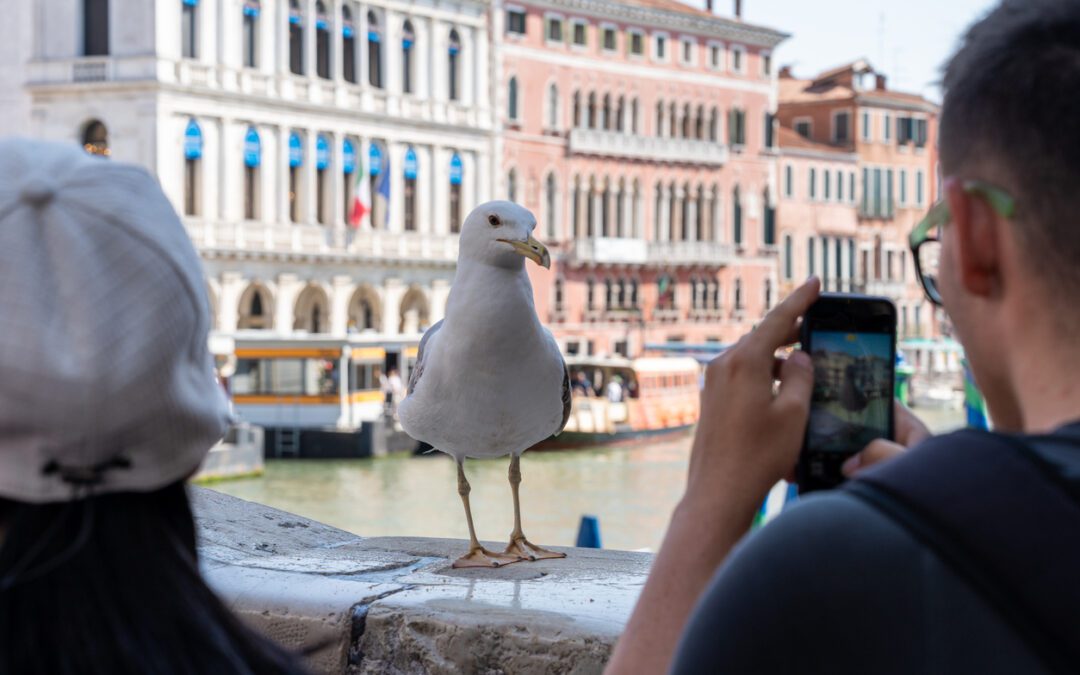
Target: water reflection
632, 490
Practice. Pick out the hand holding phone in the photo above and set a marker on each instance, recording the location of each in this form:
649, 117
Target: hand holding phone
852, 342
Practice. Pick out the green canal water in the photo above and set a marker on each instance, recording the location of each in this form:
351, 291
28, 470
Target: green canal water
632, 490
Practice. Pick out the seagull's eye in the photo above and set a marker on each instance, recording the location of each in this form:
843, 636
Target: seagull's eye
494, 221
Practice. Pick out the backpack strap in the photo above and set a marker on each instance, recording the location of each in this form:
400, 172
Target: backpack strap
1004, 520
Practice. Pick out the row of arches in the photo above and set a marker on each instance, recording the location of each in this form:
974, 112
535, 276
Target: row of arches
311, 310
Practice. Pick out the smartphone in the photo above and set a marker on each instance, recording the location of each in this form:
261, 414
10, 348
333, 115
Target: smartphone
852, 342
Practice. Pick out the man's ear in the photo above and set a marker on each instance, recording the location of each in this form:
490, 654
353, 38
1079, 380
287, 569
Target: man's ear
977, 241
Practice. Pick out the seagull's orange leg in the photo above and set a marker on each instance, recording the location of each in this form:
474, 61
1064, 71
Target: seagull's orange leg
519, 545
477, 556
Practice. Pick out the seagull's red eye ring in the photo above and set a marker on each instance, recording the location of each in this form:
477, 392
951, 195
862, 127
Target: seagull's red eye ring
494, 221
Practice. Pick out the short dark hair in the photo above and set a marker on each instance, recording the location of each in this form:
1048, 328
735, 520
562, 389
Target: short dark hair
1012, 105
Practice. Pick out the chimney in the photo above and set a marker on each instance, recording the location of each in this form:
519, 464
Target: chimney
708, 6
738, 9
785, 72
880, 83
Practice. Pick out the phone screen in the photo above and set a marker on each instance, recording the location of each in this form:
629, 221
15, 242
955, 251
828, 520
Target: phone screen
853, 381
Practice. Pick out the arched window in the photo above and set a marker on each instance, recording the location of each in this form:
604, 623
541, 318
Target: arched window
665, 292
769, 224
575, 208
590, 294
193, 150
364, 310
550, 206
610, 301
605, 115
410, 190
349, 182
620, 114
189, 29
322, 41
576, 121
620, 210
348, 45
658, 213
714, 125
252, 160
95, 139
660, 119
687, 121
591, 113
255, 304
95, 27
738, 295
553, 107
684, 217
456, 171
377, 179
322, 183
789, 272
296, 182
414, 312
622, 284
252, 9
408, 39
453, 65
699, 123
699, 212
768, 294
634, 293
296, 38
558, 294
673, 117
311, 310
605, 211
511, 186
374, 50
512, 98
590, 210
736, 217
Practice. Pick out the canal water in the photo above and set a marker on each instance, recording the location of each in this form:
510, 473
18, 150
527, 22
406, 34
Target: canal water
632, 490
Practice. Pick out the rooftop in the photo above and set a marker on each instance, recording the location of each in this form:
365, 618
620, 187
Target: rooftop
856, 81
791, 140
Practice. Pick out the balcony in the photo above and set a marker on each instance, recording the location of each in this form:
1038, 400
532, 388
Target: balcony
619, 251
256, 238
617, 144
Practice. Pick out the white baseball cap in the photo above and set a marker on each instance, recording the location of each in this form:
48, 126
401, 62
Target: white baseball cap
106, 381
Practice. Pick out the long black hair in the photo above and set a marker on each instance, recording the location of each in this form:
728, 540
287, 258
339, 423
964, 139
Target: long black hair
110, 584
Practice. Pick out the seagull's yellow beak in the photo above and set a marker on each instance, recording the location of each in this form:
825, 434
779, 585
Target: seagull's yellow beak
531, 249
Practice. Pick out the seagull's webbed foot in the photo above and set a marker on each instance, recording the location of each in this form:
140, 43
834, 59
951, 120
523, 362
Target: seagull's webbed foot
528, 551
481, 557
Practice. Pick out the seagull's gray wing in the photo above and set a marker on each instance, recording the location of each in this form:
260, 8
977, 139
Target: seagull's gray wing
418, 369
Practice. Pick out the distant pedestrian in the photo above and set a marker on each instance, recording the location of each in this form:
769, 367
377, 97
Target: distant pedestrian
108, 403
614, 390
581, 385
397, 388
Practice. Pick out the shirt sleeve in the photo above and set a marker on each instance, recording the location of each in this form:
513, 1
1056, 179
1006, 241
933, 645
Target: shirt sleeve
828, 587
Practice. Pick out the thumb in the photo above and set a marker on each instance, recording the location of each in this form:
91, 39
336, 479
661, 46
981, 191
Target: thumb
796, 384
877, 451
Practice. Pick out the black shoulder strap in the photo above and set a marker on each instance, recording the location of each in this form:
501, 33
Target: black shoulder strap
1004, 521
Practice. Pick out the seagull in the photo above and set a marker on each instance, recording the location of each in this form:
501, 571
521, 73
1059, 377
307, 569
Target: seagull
489, 380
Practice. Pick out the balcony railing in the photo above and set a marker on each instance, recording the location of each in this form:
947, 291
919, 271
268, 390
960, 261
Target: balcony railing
615, 250
319, 240
649, 148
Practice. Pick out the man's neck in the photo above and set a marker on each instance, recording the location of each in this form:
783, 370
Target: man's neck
1046, 385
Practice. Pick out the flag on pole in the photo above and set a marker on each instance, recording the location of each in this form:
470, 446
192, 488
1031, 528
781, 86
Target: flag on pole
383, 190
361, 206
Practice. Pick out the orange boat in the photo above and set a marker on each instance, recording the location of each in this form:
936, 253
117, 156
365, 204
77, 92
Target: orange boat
619, 400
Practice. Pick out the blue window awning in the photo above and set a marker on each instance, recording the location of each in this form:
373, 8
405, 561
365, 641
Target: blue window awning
373, 36
374, 159
193, 140
252, 148
348, 157
252, 8
296, 150
322, 152
456, 170
191, 3
410, 164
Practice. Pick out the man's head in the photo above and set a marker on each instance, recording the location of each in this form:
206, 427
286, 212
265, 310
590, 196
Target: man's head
1012, 98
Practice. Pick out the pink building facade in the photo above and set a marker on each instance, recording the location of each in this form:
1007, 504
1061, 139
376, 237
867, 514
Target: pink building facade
642, 136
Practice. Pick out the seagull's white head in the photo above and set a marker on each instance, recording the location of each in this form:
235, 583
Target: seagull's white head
500, 233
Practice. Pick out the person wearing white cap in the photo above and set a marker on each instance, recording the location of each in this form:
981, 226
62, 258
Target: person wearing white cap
108, 403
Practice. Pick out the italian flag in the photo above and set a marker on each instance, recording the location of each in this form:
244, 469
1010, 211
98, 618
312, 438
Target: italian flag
362, 198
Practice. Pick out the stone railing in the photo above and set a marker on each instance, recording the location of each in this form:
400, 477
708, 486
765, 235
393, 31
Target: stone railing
690, 253
394, 604
649, 148
320, 240
616, 250
91, 69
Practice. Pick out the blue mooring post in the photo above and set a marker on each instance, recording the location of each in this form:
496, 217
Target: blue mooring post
588, 534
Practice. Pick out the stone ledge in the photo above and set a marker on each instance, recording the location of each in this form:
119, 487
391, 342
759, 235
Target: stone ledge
394, 604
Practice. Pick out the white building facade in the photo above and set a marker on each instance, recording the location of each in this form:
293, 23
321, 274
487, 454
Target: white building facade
263, 120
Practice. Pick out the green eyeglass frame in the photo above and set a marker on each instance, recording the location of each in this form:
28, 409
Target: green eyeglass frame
939, 216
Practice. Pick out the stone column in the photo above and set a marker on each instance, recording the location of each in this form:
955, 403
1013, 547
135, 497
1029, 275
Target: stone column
309, 204
281, 171
425, 179
337, 184
439, 193
677, 230
597, 197
280, 26
397, 185
690, 232
340, 294
337, 43
217, 180
392, 56
232, 287
309, 39
393, 292
288, 289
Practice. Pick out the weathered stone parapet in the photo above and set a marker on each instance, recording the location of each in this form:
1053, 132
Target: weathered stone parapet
394, 604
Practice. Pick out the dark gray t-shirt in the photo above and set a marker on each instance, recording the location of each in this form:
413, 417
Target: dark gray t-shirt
835, 586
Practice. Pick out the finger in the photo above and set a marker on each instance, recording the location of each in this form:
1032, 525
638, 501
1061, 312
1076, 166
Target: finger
776, 329
910, 430
796, 385
876, 452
